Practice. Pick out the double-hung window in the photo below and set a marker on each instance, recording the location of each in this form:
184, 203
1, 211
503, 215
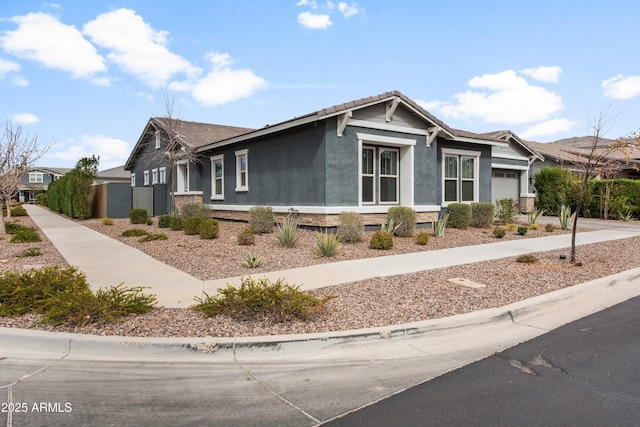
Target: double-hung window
379, 175
242, 170
154, 176
460, 176
217, 177
133, 179
146, 177
162, 175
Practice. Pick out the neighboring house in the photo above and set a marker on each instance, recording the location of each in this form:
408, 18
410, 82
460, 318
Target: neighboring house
364, 156
117, 174
111, 193
37, 180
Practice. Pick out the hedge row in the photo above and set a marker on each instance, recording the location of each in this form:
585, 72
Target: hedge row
71, 194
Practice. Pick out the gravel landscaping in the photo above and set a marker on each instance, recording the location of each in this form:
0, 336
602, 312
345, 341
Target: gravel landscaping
370, 303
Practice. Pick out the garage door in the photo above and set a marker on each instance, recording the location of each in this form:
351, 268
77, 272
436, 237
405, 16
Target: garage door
505, 184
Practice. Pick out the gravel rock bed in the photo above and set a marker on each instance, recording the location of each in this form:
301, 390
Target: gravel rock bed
370, 303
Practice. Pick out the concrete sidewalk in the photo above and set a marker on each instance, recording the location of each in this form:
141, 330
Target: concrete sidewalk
108, 262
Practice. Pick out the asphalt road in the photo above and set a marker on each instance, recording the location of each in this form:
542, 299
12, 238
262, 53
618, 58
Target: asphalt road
586, 373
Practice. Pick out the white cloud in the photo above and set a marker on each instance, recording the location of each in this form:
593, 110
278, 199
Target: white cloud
311, 3
621, 87
348, 10
548, 127
19, 81
7, 67
314, 21
507, 98
545, 74
222, 84
113, 152
42, 38
137, 48
25, 118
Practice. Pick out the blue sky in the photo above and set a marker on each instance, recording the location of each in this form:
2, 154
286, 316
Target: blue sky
89, 74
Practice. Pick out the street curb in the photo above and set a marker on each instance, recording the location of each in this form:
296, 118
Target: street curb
546, 312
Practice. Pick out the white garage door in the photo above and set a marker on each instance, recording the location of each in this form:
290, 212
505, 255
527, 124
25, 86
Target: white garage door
505, 184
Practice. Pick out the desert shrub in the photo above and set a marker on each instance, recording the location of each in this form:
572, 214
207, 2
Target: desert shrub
189, 210
138, 216
405, 217
327, 244
25, 235
152, 236
351, 227
176, 223
510, 226
164, 221
18, 211
499, 232
30, 252
549, 228
381, 240
261, 219
13, 227
191, 225
422, 238
107, 221
253, 260
246, 237
527, 259
522, 230
482, 214
62, 295
208, 229
134, 232
459, 215
506, 211
259, 298
42, 199
534, 226
287, 232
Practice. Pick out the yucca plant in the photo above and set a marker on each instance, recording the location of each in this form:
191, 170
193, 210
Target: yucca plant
566, 217
390, 227
287, 232
327, 244
535, 215
439, 225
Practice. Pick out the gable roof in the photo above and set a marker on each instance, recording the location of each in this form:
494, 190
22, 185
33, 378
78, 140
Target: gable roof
508, 135
112, 173
52, 171
192, 135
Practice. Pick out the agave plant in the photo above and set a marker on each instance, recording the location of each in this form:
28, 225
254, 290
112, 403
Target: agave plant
440, 224
535, 215
566, 217
389, 227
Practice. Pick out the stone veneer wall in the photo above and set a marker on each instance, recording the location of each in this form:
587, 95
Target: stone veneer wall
527, 203
183, 199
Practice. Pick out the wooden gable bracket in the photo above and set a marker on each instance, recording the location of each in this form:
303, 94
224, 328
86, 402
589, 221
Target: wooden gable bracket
432, 132
343, 119
391, 108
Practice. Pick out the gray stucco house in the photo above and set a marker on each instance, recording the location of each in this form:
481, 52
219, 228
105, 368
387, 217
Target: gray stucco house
364, 156
36, 181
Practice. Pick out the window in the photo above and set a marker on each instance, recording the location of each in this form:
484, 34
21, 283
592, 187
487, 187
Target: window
36, 178
217, 177
157, 139
133, 179
146, 177
242, 170
162, 178
154, 176
182, 177
379, 175
460, 176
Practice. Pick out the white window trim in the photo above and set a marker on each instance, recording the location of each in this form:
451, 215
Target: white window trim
370, 147
154, 176
396, 176
36, 177
162, 175
133, 179
179, 164
239, 154
157, 135
146, 177
476, 173
214, 160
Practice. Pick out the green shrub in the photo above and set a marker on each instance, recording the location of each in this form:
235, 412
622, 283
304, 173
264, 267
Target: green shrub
107, 221
25, 235
134, 232
138, 216
499, 232
459, 215
439, 225
405, 217
246, 237
422, 238
164, 221
13, 227
195, 209
30, 252
151, 237
351, 227
19, 211
208, 229
176, 223
506, 211
327, 244
279, 299
381, 240
261, 219
534, 226
191, 225
522, 230
527, 259
554, 188
287, 232
482, 214
42, 199
253, 260
549, 228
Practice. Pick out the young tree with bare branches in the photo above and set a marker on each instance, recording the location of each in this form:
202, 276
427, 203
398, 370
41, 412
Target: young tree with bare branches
18, 153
